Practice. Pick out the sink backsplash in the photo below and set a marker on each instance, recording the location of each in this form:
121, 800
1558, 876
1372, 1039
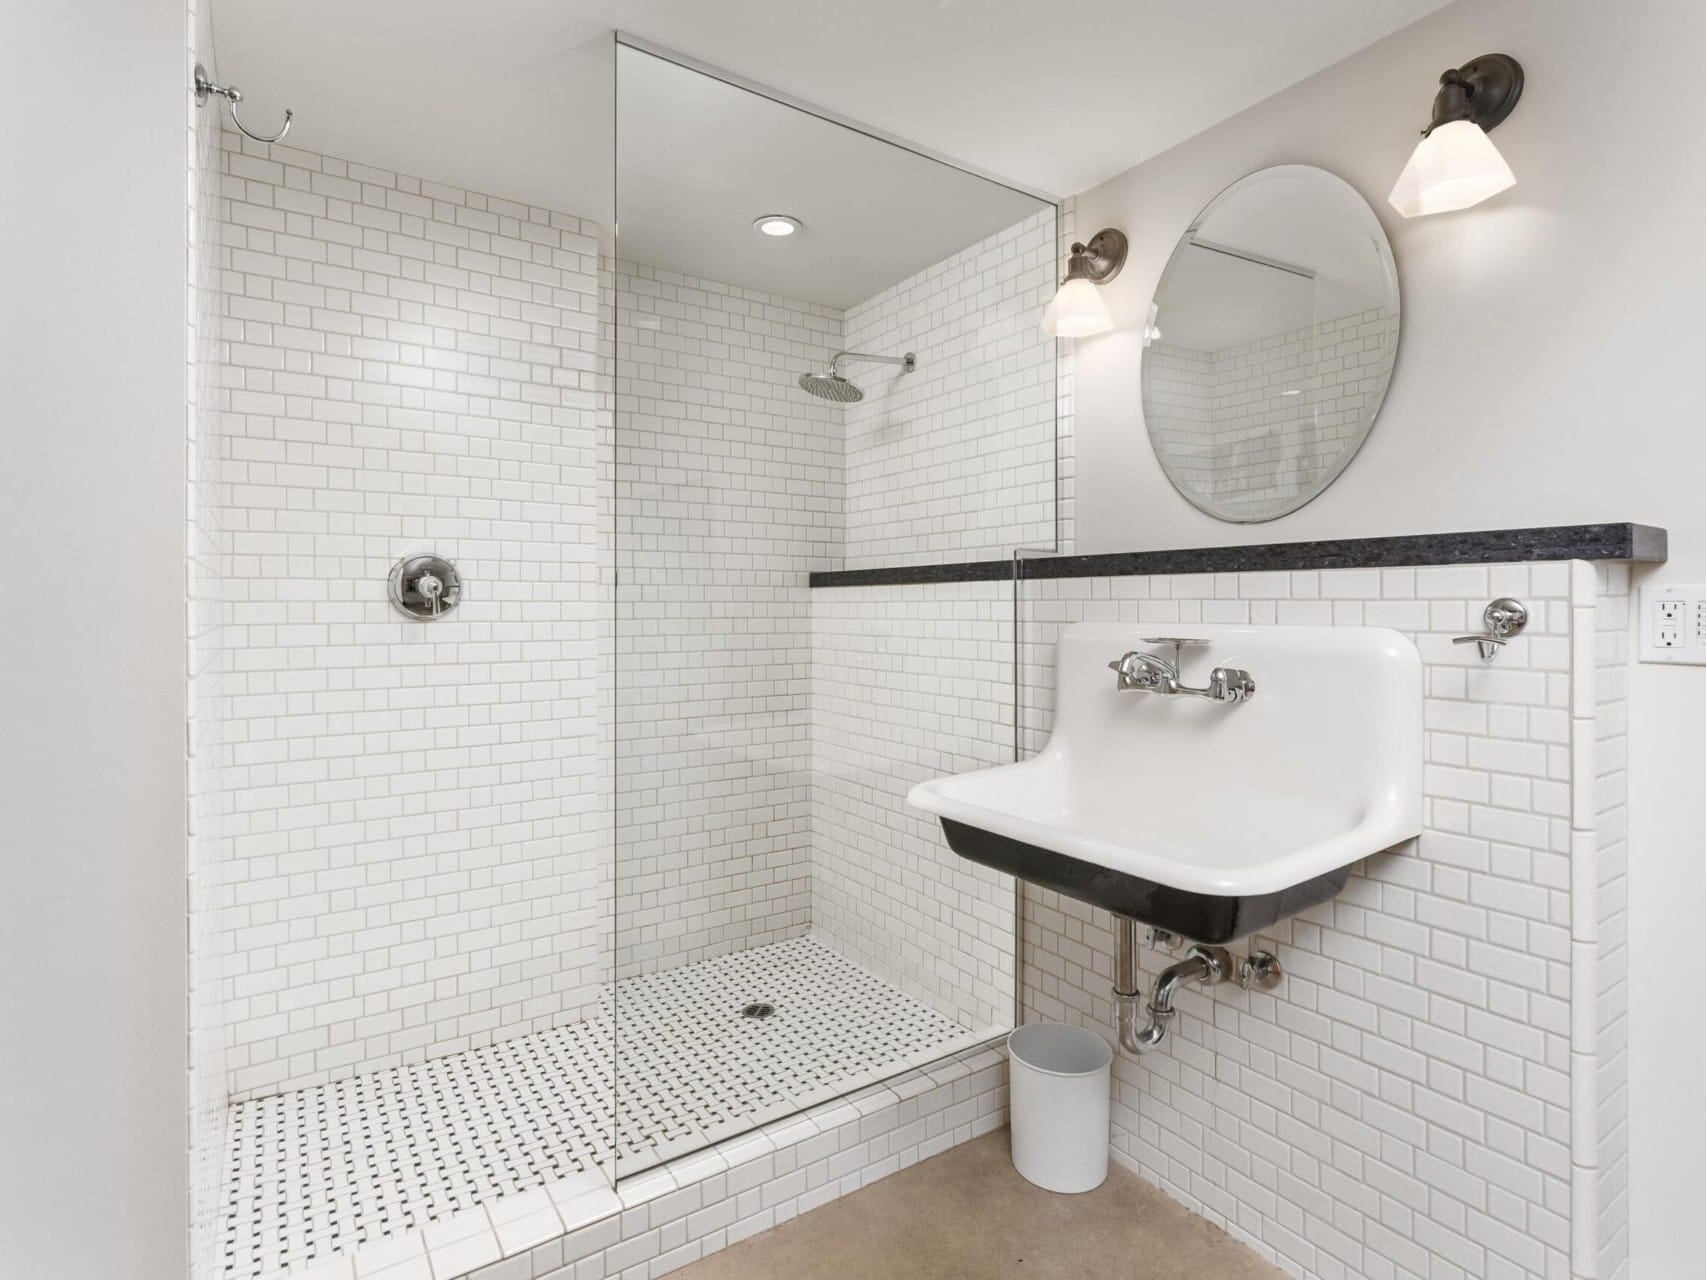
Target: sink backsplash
1443, 1068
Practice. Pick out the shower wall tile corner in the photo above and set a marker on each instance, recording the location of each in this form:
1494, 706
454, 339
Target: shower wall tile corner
729, 489
957, 461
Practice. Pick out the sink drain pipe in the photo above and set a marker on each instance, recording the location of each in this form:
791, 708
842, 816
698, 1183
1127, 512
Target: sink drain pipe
1201, 965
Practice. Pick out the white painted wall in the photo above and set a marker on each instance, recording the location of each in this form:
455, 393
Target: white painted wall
92, 775
1525, 393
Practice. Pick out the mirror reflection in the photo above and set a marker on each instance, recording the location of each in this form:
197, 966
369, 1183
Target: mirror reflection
1270, 343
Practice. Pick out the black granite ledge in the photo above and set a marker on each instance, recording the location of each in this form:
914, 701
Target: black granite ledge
1639, 542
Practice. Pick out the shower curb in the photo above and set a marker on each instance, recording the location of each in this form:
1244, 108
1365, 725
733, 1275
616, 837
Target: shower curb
694, 1205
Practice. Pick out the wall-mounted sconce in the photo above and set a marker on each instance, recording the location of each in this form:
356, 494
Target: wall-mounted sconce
1077, 310
1456, 165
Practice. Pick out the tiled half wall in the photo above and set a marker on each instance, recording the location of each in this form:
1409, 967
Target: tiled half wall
1437, 1087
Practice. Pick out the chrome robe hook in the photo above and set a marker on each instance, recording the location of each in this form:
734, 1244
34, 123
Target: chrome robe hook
204, 86
1504, 619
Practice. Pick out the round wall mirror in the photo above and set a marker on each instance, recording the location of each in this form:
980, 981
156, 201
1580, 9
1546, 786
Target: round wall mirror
1270, 343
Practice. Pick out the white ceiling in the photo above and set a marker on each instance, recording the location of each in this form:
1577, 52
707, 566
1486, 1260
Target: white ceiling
1054, 97
699, 159
516, 98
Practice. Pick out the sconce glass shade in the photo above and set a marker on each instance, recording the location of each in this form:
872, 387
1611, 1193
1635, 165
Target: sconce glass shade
1454, 167
1077, 311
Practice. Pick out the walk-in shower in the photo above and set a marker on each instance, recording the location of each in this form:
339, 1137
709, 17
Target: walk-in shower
588, 850
830, 385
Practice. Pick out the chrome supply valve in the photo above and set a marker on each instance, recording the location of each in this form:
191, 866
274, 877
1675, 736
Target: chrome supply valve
1261, 971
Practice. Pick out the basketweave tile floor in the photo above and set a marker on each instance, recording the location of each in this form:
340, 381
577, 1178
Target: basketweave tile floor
669, 1063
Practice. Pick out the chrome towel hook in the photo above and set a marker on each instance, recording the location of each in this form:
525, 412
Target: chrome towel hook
1504, 618
204, 86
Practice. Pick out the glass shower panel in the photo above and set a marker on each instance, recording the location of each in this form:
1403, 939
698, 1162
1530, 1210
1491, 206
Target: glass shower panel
826, 356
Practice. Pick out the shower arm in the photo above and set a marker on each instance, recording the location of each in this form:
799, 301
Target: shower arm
908, 362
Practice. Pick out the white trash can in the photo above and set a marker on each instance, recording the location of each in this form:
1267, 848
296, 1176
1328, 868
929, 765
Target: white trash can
1058, 1101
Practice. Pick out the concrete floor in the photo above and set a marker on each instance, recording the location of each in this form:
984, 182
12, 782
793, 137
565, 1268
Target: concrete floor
966, 1214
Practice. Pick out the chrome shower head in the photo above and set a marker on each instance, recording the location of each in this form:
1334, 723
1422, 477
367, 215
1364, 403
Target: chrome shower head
831, 386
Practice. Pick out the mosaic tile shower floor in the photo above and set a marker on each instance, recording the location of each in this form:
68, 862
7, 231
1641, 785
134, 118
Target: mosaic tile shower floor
326, 1170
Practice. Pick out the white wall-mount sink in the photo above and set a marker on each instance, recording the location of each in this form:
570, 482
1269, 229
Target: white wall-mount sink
1210, 820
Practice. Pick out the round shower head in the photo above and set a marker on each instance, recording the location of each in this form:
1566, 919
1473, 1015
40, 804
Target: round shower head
831, 386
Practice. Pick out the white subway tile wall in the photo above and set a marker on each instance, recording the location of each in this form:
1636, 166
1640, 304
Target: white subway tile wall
1605, 849
417, 858
1402, 1105
1254, 425
420, 829
728, 493
1179, 383
909, 683
1065, 381
957, 460
420, 852
210, 660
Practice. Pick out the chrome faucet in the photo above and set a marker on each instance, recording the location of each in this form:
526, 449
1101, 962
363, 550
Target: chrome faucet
1151, 673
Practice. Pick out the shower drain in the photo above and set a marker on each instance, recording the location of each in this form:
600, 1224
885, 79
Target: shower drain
758, 1009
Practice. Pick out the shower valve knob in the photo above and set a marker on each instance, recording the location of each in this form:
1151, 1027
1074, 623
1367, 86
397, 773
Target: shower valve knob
425, 587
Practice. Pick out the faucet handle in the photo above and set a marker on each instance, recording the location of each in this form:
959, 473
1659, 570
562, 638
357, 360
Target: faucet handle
1231, 684
1143, 672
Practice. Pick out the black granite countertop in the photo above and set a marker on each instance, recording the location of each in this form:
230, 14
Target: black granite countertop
1638, 542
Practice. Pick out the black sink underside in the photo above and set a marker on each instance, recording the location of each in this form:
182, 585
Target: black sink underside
1201, 917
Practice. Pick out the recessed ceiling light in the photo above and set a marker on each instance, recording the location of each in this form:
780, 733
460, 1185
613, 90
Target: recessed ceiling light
776, 224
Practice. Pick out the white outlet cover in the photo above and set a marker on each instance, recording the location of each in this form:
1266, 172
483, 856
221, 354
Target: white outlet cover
1671, 624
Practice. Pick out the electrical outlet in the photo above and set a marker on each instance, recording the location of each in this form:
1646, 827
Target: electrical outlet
1672, 624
